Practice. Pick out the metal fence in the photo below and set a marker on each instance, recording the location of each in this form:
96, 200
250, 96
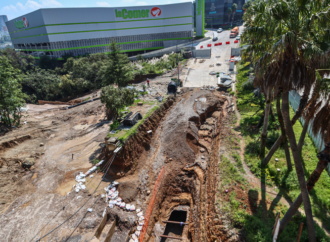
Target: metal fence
294, 99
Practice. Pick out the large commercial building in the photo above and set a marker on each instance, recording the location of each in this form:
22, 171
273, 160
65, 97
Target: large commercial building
3, 27
59, 31
216, 12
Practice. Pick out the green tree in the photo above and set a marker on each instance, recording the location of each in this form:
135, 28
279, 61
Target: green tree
234, 8
116, 99
11, 95
247, 4
46, 62
229, 12
117, 69
41, 84
299, 42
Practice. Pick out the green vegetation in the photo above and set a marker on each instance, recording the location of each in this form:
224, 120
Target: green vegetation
288, 184
116, 99
256, 223
53, 79
11, 96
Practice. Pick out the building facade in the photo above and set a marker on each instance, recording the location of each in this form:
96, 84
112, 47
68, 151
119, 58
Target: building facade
3, 26
216, 12
80, 31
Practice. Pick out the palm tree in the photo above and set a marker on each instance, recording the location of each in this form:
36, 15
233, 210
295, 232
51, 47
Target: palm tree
234, 8
229, 11
299, 37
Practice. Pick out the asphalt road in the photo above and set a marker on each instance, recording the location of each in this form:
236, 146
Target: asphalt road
199, 72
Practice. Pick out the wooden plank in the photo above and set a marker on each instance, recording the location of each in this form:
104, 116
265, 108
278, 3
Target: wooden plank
171, 237
175, 222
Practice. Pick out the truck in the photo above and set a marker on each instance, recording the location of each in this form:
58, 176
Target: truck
234, 32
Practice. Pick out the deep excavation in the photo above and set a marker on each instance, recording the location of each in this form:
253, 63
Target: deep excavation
185, 142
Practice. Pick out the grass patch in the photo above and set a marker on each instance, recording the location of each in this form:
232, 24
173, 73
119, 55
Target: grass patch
248, 105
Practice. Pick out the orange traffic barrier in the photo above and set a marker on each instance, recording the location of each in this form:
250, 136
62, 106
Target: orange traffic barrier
236, 41
227, 43
201, 46
215, 44
220, 43
151, 203
209, 45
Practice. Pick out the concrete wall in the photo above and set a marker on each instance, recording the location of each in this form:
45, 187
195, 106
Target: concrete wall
169, 43
203, 54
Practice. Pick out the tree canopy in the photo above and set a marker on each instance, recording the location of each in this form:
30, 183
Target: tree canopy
116, 99
11, 96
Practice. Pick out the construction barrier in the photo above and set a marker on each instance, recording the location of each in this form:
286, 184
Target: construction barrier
236, 41
201, 46
220, 43
151, 204
227, 43
215, 44
209, 45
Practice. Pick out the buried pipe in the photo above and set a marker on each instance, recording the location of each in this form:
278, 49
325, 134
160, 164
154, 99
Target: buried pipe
76, 105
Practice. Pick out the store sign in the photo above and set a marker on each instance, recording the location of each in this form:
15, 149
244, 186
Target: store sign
156, 12
131, 14
22, 23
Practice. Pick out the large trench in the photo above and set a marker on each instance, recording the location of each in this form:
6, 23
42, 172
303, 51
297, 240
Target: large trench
186, 145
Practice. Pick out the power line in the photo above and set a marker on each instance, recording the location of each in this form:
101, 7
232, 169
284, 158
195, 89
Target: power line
81, 221
113, 157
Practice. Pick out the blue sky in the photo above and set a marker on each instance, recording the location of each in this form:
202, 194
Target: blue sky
16, 8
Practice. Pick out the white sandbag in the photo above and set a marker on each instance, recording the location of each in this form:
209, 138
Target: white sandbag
140, 214
128, 207
90, 210
139, 228
137, 233
102, 196
77, 189
122, 205
134, 236
115, 183
138, 210
141, 223
132, 207
110, 205
141, 218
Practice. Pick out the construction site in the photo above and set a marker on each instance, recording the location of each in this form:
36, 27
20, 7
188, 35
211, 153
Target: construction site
64, 177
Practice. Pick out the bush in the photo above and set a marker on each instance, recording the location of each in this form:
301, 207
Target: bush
248, 85
114, 125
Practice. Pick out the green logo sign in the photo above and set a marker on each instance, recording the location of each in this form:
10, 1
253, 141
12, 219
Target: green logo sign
22, 23
132, 13
199, 7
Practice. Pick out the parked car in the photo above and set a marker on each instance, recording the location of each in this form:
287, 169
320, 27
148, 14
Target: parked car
215, 38
238, 37
219, 30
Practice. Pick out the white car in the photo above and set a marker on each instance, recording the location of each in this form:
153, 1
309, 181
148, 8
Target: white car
238, 37
219, 30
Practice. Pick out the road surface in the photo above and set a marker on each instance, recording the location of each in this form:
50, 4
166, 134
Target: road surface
199, 72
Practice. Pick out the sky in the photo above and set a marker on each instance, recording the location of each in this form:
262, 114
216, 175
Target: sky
16, 8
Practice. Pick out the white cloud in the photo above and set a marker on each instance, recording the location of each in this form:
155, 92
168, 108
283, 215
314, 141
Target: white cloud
141, 3
102, 4
128, 1
19, 9
184, 1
